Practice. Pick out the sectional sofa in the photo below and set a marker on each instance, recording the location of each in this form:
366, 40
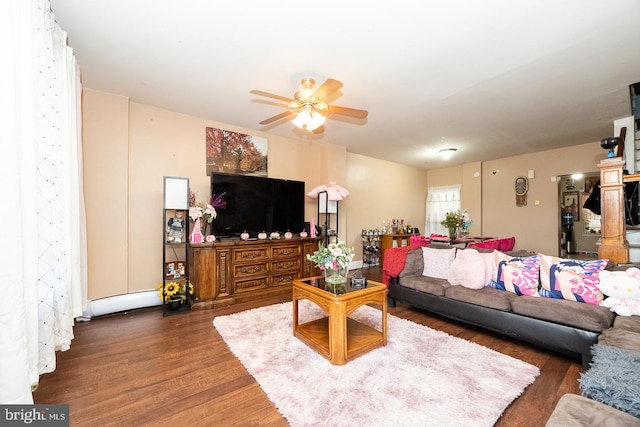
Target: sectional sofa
453, 283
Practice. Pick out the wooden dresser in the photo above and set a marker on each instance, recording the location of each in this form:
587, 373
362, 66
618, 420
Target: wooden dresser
228, 272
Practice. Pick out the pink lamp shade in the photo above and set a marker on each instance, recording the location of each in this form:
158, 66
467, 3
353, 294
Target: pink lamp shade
334, 191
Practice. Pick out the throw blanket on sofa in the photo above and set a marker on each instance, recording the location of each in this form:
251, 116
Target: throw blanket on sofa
393, 264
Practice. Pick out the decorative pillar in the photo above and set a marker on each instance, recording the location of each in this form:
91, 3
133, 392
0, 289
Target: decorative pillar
613, 244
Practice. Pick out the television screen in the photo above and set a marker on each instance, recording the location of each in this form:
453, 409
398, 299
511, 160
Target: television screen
256, 204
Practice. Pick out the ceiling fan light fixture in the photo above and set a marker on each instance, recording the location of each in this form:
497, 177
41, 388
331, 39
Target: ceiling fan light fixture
309, 120
447, 153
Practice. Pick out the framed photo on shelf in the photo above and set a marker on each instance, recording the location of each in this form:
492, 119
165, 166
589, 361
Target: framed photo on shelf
169, 269
571, 203
180, 268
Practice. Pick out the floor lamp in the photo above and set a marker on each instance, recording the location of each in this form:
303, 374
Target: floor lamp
327, 207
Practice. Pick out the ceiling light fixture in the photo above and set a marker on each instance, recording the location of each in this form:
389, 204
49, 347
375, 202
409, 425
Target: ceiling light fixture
447, 153
308, 119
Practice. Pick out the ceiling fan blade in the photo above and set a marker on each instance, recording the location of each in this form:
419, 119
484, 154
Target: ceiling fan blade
276, 117
352, 112
326, 89
270, 95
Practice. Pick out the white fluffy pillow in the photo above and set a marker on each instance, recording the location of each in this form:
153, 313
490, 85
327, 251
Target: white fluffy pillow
489, 266
437, 262
468, 269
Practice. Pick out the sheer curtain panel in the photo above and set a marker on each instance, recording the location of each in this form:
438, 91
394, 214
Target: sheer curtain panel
440, 200
44, 239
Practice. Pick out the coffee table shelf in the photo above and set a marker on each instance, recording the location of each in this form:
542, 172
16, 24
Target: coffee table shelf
336, 336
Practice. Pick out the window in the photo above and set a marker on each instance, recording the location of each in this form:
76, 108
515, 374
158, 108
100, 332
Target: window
440, 200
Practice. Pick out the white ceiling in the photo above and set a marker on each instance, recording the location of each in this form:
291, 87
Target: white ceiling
492, 78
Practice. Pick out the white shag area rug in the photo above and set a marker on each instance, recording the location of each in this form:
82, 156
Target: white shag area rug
422, 377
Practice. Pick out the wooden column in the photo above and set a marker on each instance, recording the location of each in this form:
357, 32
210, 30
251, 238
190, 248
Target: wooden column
613, 240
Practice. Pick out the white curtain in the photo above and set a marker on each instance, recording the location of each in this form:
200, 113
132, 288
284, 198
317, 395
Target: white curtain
440, 200
44, 239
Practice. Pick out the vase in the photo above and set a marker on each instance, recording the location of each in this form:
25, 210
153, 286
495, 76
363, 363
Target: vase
335, 277
335, 280
453, 231
174, 304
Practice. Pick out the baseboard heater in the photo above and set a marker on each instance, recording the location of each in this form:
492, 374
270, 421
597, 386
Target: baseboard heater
119, 303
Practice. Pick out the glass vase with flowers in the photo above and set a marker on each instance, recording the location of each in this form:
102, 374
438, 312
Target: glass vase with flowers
334, 261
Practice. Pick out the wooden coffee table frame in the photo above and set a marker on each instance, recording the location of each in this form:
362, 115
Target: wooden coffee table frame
336, 336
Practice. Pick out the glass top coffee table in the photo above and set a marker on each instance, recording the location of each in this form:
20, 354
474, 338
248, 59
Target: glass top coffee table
336, 336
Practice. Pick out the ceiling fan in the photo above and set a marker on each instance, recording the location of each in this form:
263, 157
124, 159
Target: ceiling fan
309, 106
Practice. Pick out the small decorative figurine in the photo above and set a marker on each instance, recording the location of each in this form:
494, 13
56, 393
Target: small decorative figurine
312, 228
288, 235
244, 236
196, 235
175, 228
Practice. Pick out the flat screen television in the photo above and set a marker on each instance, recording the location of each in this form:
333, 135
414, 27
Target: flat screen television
256, 204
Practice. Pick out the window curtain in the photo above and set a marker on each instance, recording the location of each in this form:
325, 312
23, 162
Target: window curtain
44, 235
440, 200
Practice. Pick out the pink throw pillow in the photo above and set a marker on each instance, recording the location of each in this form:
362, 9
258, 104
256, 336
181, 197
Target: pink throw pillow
468, 270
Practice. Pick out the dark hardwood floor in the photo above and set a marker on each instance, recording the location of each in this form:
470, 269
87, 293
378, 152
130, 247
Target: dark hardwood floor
140, 368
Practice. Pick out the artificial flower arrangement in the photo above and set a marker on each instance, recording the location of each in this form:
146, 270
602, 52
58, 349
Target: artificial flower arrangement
335, 256
206, 213
457, 219
452, 220
175, 290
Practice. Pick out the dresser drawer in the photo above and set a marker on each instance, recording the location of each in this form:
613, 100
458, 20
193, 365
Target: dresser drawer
251, 254
248, 270
285, 265
284, 279
248, 285
286, 251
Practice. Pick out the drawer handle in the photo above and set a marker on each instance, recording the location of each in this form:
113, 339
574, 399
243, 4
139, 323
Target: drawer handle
285, 279
286, 252
286, 265
251, 255
254, 269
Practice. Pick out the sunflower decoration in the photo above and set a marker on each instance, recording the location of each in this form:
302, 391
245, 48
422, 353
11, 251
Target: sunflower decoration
175, 290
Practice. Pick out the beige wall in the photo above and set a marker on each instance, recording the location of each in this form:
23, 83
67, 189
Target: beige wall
105, 128
130, 147
535, 226
381, 191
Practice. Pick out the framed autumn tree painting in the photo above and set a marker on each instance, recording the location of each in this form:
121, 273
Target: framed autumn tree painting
235, 153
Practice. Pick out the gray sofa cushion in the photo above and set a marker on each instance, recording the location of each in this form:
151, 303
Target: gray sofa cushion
579, 315
413, 264
430, 285
621, 338
486, 297
577, 411
630, 323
